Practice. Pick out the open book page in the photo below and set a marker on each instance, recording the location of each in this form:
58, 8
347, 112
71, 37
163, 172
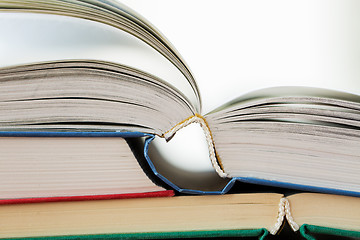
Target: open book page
55, 37
91, 95
289, 95
163, 44
299, 136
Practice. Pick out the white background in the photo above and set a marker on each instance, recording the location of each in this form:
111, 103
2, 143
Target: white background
233, 47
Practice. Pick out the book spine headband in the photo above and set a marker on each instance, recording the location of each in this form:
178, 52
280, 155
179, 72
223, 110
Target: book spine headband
284, 211
215, 161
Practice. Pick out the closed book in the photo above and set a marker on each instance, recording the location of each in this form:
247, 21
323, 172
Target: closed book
233, 215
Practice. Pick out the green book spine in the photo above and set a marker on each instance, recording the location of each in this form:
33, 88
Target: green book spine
308, 232
260, 233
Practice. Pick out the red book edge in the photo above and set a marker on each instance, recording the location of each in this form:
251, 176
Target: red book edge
166, 193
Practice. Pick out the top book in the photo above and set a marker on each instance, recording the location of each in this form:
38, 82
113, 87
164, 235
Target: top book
98, 66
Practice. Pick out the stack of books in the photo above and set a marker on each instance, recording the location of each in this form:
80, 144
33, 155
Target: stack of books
85, 88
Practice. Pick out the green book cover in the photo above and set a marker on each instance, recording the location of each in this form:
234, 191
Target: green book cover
310, 232
259, 233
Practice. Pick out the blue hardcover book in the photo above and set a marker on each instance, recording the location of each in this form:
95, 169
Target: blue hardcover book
117, 73
139, 145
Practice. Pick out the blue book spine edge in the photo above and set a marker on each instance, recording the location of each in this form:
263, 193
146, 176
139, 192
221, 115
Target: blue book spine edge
149, 138
73, 134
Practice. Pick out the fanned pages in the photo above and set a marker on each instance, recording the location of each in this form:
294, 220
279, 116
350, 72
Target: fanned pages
111, 14
88, 93
300, 136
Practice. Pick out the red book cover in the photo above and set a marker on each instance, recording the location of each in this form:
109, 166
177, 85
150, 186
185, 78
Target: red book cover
165, 193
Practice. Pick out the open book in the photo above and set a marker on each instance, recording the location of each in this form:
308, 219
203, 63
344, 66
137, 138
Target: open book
98, 66
232, 215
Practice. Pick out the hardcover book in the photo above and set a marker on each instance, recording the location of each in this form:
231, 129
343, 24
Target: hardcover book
232, 215
104, 68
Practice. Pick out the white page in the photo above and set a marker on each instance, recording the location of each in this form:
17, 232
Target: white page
234, 47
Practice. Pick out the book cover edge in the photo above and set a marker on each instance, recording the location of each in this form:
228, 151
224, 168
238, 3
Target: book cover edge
261, 233
306, 230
